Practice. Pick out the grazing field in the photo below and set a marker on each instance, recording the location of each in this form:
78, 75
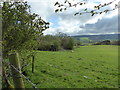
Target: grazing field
84, 67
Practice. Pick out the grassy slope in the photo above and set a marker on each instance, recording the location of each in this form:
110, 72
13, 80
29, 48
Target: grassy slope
86, 67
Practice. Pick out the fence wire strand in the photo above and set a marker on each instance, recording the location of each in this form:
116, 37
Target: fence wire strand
34, 85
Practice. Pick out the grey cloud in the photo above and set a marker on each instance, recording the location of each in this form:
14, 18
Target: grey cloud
105, 25
102, 26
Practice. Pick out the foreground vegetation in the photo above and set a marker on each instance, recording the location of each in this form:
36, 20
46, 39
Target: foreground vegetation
85, 67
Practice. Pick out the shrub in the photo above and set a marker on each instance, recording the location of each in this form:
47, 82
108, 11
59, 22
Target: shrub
77, 43
67, 43
106, 42
49, 43
55, 43
115, 42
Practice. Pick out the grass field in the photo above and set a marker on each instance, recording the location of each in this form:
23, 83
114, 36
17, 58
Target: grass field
85, 67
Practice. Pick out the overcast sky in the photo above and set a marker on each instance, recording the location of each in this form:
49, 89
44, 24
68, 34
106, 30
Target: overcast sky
67, 23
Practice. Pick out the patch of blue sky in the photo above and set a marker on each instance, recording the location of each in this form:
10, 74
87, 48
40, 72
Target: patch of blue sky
54, 20
97, 2
94, 1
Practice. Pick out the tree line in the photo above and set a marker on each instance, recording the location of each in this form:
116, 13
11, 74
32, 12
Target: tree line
108, 42
55, 43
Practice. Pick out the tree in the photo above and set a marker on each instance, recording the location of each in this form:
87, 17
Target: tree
49, 43
115, 42
105, 42
97, 9
67, 43
20, 29
60, 34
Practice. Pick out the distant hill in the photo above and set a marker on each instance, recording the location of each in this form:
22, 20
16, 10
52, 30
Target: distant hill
95, 38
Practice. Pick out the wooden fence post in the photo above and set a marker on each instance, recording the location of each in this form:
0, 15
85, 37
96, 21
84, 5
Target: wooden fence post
17, 77
33, 59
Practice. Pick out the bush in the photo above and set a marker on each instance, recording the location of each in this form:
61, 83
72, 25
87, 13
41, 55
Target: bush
44, 46
115, 42
77, 43
49, 43
106, 42
55, 43
67, 43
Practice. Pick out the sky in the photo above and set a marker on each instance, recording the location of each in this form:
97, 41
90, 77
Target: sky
69, 24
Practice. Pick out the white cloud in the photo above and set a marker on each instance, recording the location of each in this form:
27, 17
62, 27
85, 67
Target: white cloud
67, 22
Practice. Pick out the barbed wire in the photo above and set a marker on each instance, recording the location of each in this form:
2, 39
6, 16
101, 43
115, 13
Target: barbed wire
34, 85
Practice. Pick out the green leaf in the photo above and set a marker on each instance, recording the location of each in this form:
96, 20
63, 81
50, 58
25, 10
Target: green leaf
65, 1
56, 10
95, 6
76, 13
98, 7
100, 12
56, 3
81, 3
80, 13
61, 9
106, 11
92, 11
85, 9
93, 14
65, 8
116, 5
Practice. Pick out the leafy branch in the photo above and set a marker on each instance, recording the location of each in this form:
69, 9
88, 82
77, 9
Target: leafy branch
97, 9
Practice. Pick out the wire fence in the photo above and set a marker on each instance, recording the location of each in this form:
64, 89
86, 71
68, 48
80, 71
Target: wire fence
27, 79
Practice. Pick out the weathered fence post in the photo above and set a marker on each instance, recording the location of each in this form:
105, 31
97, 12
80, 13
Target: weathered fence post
17, 78
33, 63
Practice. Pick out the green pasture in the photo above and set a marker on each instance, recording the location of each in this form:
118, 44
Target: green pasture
84, 67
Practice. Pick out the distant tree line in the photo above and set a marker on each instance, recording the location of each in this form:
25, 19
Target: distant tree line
63, 42
108, 42
116, 42
55, 43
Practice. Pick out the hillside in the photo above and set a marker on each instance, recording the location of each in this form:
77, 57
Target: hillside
98, 37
